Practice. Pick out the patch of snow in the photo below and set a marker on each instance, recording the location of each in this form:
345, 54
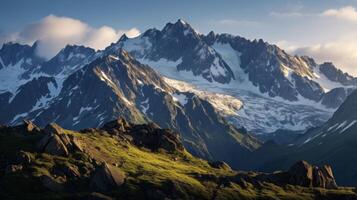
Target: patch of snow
113, 57
182, 22
69, 102
138, 45
10, 77
307, 140
139, 82
348, 126
332, 127
181, 98
287, 72
145, 106
1, 62
225, 104
84, 109
341, 125
232, 58
17, 117
105, 78
29, 61
324, 82
216, 69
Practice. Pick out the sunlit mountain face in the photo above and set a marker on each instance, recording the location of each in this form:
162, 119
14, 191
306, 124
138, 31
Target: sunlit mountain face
182, 109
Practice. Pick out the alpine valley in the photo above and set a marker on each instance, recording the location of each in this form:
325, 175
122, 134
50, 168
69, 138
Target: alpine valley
140, 116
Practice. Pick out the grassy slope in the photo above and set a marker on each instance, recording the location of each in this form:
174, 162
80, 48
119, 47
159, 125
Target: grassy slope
179, 175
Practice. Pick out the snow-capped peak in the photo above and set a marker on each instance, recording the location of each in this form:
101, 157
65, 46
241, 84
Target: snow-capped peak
181, 21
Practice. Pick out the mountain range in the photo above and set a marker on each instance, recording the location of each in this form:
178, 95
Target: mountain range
261, 75
218, 91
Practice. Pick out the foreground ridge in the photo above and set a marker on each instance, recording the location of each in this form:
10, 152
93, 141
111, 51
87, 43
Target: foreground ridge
121, 160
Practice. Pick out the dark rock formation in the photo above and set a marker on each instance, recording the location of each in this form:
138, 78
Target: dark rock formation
116, 125
56, 142
107, 177
150, 135
51, 184
219, 165
304, 174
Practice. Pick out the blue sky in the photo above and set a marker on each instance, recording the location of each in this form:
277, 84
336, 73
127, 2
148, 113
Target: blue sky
324, 29
202, 14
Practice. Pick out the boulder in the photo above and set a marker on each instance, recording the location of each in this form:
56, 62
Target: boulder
119, 125
57, 142
154, 138
304, 174
30, 127
52, 144
68, 171
219, 165
106, 178
150, 135
27, 127
53, 128
77, 145
51, 184
301, 174
168, 144
323, 177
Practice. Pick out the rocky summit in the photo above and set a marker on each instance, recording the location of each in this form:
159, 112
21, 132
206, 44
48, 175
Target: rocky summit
122, 160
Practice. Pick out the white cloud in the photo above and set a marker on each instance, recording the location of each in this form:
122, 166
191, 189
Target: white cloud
345, 13
343, 53
234, 22
288, 14
56, 32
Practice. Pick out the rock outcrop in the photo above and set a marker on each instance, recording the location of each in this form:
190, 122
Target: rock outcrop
119, 125
304, 174
56, 141
107, 178
26, 128
219, 165
29, 127
149, 136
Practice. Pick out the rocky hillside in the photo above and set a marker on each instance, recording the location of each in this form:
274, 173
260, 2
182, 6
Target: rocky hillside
125, 161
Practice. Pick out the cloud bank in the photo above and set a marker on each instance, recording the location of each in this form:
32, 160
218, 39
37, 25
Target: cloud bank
346, 13
56, 32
